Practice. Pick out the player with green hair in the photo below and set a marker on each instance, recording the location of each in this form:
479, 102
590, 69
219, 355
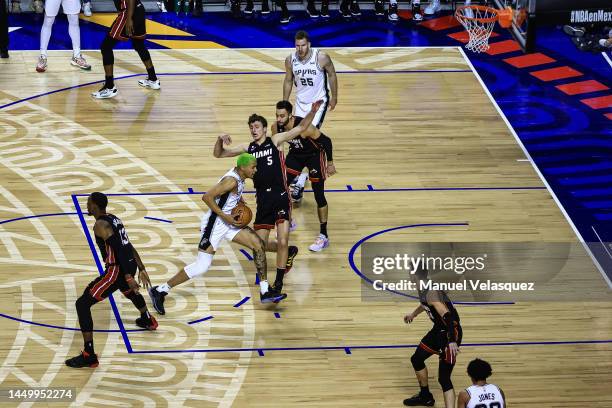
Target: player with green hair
217, 224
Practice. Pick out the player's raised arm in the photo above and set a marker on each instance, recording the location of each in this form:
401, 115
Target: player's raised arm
288, 82
220, 149
280, 138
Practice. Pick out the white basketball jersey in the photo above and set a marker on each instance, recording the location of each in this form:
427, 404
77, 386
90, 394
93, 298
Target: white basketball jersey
485, 396
227, 203
310, 80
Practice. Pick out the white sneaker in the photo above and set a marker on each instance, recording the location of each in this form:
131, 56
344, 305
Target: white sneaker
41, 66
321, 242
87, 9
149, 84
433, 7
80, 62
106, 93
162, 6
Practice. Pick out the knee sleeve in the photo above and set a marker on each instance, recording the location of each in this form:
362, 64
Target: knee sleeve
200, 266
319, 192
136, 298
140, 48
418, 359
83, 307
108, 58
444, 376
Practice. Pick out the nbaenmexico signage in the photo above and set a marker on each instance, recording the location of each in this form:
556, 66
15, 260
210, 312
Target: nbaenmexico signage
573, 12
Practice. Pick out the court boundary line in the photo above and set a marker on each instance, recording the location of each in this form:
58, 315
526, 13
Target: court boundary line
537, 170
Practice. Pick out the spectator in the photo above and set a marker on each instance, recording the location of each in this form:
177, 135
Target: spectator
606, 42
15, 6
589, 38
37, 6
4, 40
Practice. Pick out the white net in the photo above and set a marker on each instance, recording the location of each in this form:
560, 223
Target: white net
479, 22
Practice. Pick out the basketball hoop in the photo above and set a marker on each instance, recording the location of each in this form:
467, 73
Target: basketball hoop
479, 22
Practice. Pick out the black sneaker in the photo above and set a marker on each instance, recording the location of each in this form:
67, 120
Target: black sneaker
249, 8
379, 7
157, 299
312, 10
148, 323
272, 296
265, 7
393, 12
83, 360
420, 400
4, 53
344, 9
293, 251
235, 8
285, 17
325, 9
573, 31
355, 10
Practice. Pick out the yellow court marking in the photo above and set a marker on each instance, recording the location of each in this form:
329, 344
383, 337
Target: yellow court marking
186, 44
153, 27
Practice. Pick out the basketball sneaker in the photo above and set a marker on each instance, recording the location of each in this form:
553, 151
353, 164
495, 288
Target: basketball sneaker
157, 299
265, 7
325, 8
321, 242
106, 93
355, 9
148, 322
147, 83
4, 53
80, 62
344, 9
249, 8
41, 66
379, 7
297, 193
420, 400
285, 17
417, 15
87, 9
293, 251
162, 6
393, 12
312, 11
83, 360
272, 296
433, 7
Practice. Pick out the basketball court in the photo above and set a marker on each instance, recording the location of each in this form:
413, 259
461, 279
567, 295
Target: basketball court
424, 154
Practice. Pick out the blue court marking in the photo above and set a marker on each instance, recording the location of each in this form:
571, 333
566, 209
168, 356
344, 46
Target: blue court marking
190, 190
277, 315
243, 301
111, 299
351, 256
158, 219
370, 188
36, 216
349, 189
51, 326
246, 254
347, 350
201, 320
29, 98
391, 346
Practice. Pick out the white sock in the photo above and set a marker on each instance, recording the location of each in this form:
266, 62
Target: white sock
45, 34
164, 288
263, 286
75, 34
301, 181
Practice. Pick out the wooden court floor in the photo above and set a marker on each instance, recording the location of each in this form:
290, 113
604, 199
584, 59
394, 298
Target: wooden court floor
416, 120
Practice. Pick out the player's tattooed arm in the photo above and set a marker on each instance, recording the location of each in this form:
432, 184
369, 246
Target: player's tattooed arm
220, 149
283, 137
326, 63
224, 186
103, 229
288, 82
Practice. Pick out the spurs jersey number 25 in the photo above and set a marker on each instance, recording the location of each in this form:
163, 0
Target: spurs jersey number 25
310, 80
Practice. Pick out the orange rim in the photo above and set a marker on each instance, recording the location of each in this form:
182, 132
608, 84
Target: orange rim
459, 13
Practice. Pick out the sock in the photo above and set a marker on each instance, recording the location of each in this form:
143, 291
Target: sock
75, 34
151, 72
110, 82
425, 390
280, 274
324, 228
301, 181
89, 348
164, 288
263, 286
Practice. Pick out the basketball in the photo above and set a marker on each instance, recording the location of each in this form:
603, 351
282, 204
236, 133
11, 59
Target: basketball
242, 214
